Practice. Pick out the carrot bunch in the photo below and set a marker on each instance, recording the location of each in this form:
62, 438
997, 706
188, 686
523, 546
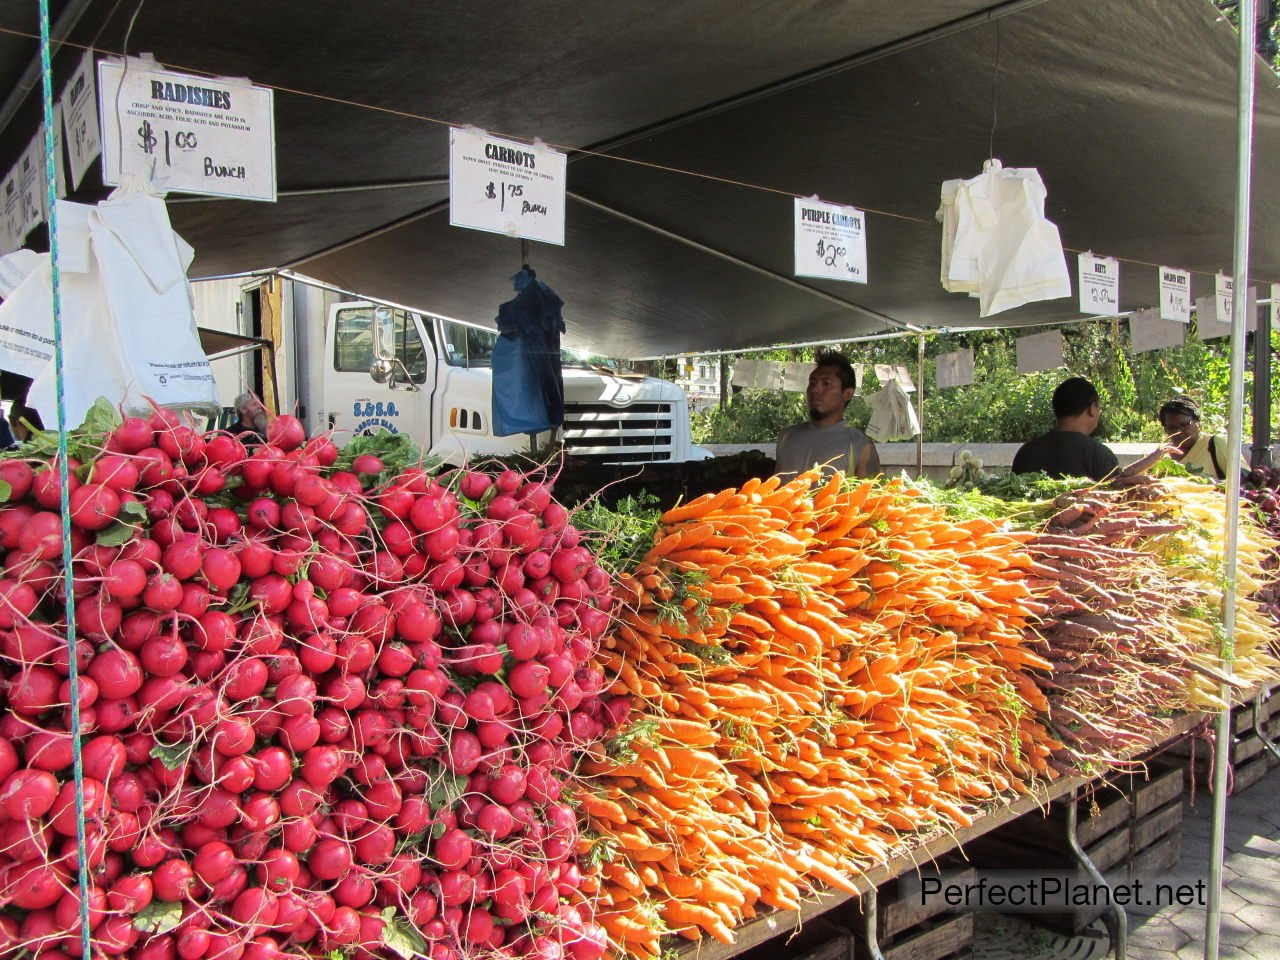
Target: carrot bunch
822, 668
1122, 661
1193, 551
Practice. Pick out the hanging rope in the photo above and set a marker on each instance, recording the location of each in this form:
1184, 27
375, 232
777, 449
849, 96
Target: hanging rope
46, 78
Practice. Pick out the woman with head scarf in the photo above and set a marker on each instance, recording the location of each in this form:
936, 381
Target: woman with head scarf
1203, 454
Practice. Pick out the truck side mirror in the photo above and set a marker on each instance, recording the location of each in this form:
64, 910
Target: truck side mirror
382, 370
384, 334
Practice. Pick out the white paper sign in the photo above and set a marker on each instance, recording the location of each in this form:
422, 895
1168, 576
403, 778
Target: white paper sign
886, 372
830, 241
10, 213
1210, 324
1175, 294
503, 186
32, 188
59, 165
1222, 285
955, 369
1040, 351
859, 375
1148, 331
79, 105
1099, 285
186, 133
758, 374
796, 377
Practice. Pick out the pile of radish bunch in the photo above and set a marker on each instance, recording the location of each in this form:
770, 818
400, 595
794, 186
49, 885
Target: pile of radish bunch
323, 709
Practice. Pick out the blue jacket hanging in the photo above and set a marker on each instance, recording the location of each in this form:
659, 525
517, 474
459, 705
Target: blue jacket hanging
528, 387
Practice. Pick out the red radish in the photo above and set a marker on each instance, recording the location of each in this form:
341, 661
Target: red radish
213, 862
46, 485
221, 569
300, 733
367, 463
104, 758
19, 476
34, 690
130, 894
173, 881
330, 859
286, 432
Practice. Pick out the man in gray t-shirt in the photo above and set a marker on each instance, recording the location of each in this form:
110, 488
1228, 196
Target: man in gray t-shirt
826, 440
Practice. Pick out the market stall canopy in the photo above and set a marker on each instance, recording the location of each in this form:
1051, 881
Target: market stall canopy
219, 344
1127, 108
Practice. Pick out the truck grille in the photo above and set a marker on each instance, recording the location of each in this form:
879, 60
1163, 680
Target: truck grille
639, 433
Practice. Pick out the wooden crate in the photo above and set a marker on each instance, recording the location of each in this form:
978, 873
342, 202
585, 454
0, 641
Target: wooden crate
910, 930
942, 938
1118, 827
818, 939
1250, 760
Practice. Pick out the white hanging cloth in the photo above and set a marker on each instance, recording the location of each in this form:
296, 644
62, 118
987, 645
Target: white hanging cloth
892, 416
997, 244
128, 319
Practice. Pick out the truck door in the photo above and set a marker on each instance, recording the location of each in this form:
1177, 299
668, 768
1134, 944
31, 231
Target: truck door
377, 376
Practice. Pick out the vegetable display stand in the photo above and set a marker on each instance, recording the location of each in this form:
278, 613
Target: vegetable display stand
1255, 723
826, 938
909, 928
1129, 826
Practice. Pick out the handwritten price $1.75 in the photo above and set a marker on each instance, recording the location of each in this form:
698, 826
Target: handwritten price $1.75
500, 191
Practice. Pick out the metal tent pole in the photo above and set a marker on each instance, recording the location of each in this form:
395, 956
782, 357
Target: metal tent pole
1261, 451
920, 405
1235, 433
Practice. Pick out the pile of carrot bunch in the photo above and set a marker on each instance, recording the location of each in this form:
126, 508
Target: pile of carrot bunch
820, 669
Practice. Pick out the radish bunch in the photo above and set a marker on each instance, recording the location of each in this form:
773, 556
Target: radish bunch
322, 709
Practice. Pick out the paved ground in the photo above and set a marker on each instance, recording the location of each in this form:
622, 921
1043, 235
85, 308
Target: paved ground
1251, 899
1250, 904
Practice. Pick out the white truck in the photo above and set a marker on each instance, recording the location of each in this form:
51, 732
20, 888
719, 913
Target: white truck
388, 367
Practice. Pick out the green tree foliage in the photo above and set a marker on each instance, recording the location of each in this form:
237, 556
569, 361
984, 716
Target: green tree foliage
1003, 406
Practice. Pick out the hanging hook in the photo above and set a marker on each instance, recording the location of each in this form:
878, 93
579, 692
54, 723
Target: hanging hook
524, 254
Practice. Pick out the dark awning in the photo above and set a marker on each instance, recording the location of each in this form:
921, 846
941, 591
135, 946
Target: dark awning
1127, 108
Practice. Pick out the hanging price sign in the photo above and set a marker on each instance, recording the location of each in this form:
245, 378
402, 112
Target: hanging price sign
1099, 285
80, 115
1148, 332
1040, 351
955, 369
1222, 289
1175, 295
503, 186
186, 133
830, 241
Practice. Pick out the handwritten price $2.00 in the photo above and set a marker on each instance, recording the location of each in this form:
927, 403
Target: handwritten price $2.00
833, 255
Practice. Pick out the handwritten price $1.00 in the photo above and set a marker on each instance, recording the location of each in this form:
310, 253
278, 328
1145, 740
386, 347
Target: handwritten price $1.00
833, 255
500, 192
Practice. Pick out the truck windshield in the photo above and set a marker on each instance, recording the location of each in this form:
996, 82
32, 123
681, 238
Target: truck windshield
467, 346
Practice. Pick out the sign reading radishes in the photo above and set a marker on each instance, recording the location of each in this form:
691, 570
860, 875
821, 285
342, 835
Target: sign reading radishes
186, 133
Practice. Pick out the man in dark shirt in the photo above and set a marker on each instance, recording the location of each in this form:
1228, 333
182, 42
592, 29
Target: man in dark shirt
1069, 450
